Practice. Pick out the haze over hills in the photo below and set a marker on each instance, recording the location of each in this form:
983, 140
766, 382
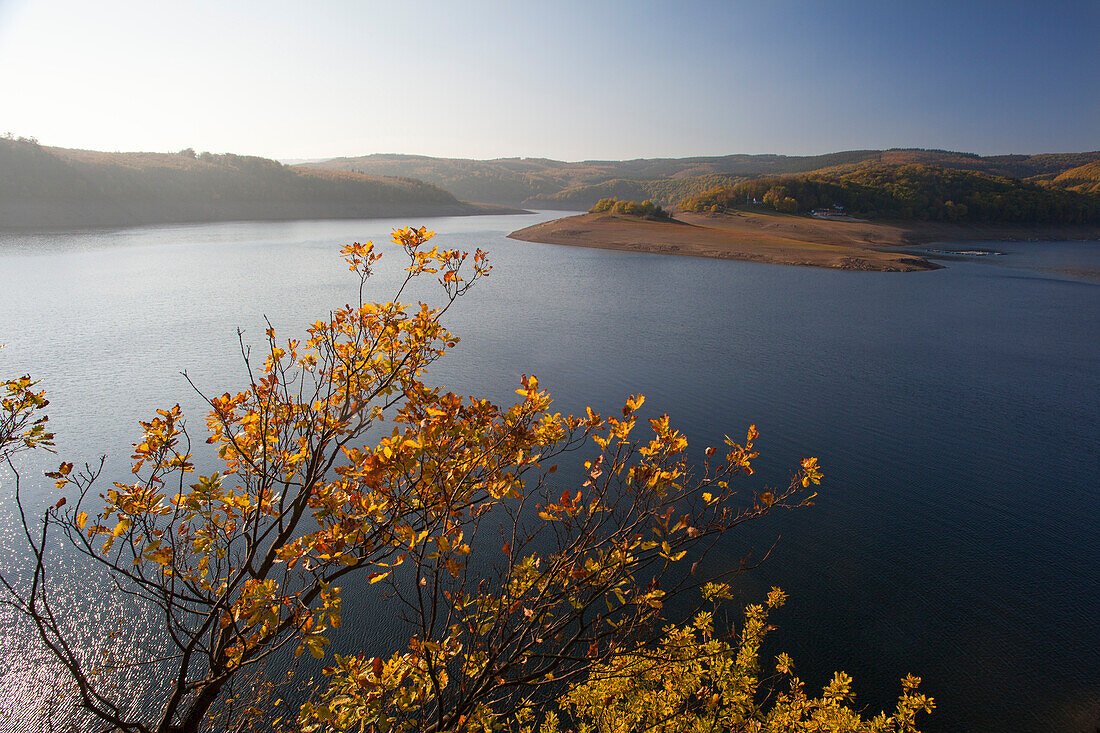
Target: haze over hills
540, 182
533, 181
57, 187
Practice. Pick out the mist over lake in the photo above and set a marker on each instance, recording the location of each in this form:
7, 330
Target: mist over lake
955, 413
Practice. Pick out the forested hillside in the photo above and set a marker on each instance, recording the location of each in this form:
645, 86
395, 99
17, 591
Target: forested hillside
55, 187
540, 182
1085, 178
666, 191
908, 192
42, 186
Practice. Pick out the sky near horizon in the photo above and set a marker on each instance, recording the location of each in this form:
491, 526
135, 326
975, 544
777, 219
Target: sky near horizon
566, 80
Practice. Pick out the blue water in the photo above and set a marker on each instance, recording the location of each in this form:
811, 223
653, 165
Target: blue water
956, 414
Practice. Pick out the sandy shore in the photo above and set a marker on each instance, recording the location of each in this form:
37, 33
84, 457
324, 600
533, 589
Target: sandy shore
780, 239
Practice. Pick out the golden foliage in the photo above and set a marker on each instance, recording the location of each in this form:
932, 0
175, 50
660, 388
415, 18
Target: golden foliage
22, 420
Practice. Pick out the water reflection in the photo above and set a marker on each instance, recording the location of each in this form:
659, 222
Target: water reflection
956, 414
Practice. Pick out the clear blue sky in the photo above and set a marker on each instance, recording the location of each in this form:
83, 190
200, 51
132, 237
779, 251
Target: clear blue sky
568, 80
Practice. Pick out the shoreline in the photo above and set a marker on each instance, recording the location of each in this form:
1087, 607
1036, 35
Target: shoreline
109, 218
783, 239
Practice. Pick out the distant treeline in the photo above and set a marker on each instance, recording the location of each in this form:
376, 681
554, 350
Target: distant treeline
910, 191
41, 187
540, 182
665, 191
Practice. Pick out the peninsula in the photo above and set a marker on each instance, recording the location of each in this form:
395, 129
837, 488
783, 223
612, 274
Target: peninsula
761, 235
848, 217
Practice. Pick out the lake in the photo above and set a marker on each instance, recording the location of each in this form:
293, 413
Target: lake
955, 413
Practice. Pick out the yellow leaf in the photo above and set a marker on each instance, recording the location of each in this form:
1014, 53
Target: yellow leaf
81, 520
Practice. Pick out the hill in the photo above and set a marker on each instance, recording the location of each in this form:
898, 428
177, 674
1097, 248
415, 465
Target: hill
541, 182
1012, 166
57, 187
666, 191
535, 181
1085, 178
912, 191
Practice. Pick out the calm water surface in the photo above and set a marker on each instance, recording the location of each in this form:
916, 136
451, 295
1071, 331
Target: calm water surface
956, 414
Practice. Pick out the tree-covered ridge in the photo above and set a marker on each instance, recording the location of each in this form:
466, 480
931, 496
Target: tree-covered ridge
577, 185
1014, 166
910, 192
58, 187
665, 191
542, 181
509, 181
1084, 178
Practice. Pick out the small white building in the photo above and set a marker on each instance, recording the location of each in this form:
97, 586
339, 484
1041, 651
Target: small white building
835, 212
